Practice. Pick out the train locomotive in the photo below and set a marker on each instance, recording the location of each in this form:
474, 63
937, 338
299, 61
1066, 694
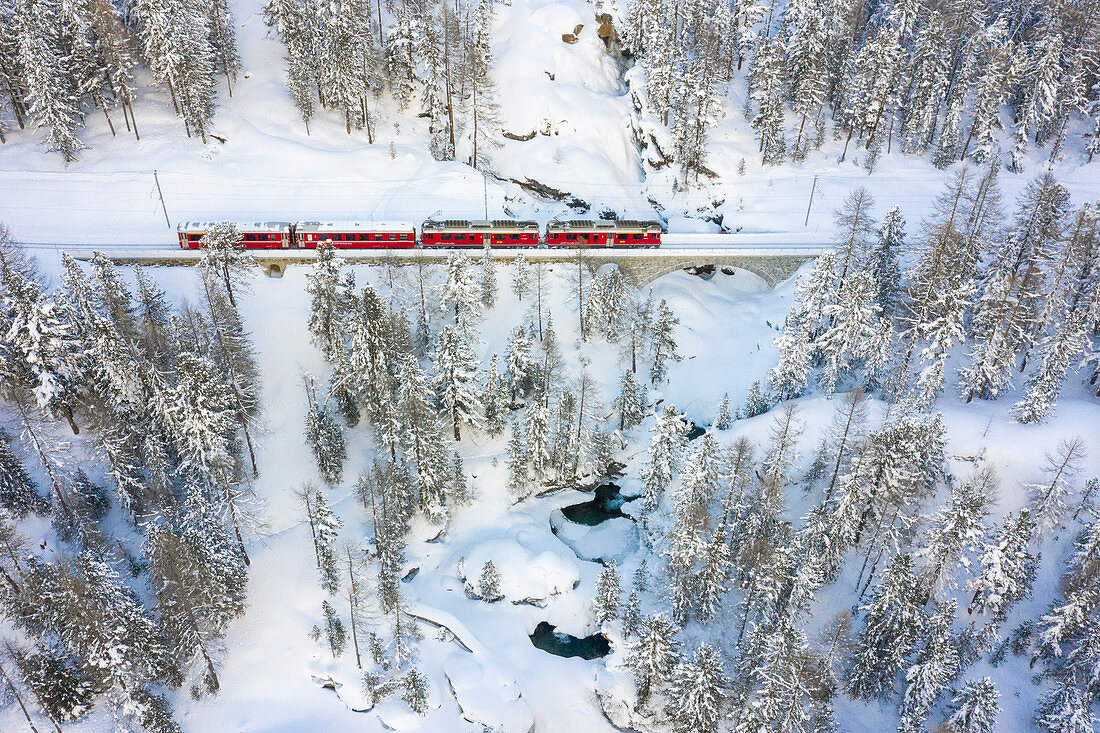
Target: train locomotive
441, 234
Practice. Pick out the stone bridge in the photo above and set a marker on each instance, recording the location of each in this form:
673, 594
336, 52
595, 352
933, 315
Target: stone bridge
772, 263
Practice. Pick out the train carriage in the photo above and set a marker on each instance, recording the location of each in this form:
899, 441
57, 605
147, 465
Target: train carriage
478, 233
633, 233
579, 233
356, 234
254, 235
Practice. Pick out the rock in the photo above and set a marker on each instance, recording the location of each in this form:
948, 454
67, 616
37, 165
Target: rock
521, 138
548, 192
578, 28
568, 38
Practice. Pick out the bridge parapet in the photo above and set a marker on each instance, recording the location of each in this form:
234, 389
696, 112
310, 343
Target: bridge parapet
773, 264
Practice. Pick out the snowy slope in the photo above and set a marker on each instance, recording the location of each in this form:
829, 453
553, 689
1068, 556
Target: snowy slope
571, 96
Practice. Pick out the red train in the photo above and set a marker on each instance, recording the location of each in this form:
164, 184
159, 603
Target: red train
449, 233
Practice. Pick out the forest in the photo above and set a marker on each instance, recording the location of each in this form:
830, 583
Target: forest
133, 421
951, 81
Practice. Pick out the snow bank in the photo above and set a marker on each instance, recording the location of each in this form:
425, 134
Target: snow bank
487, 694
614, 539
525, 575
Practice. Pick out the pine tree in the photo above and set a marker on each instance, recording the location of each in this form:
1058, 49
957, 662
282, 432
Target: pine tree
652, 657
519, 364
50, 95
521, 277
415, 691
697, 693
855, 326
489, 583
325, 437
632, 619
894, 621
324, 526
1007, 569
883, 258
537, 428
936, 665
326, 308
487, 282
664, 343
1064, 709
1051, 498
664, 450
225, 258
722, 418
1059, 351
632, 401
495, 400
957, 531
455, 379
608, 594
766, 85
517, 463
975, 707
17, 493
335, 634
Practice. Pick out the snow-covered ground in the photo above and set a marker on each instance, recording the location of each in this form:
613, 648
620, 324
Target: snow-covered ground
572, 95
483, 671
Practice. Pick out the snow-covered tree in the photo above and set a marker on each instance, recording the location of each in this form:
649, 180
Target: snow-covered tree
664, 342
697, 693
894, 620
632, 402
975, 707
664, 453
327, 305
608, 595
936, 664
652, 657
722, 418
455, 379
489, 582
1051, 497
1007, 568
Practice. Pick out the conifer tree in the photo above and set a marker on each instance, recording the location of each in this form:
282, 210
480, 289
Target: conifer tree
652, 657
1051, 497
521, 277
17, 493
517, 463
489, 583
632, 401
664, 342
495, 400
894, 621
326, 308
722, 418
697, 693
487, 281
608, 595
957, 531
325, 437
975, 707
455, 379
1007, 569
936, 664
664, 453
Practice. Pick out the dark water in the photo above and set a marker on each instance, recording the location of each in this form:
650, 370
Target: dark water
696, 432
566, 645
606, 504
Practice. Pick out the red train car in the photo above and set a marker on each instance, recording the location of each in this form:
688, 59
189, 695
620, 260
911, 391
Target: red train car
580, 233
254, 235
477, 233
356, 234
632, 233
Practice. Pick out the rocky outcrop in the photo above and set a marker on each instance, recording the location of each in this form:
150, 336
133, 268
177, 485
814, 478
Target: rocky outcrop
549, 192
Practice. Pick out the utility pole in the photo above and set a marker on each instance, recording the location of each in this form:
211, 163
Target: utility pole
812, 189
161, 195
485, 192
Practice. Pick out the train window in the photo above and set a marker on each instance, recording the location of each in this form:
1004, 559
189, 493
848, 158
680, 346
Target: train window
513, 237
635, 236
194, 237
446, 237
571, 237
392, 237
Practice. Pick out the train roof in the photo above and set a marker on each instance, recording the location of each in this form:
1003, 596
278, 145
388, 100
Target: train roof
242, 226
564, 224
494, 225
355, 226
637, 224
